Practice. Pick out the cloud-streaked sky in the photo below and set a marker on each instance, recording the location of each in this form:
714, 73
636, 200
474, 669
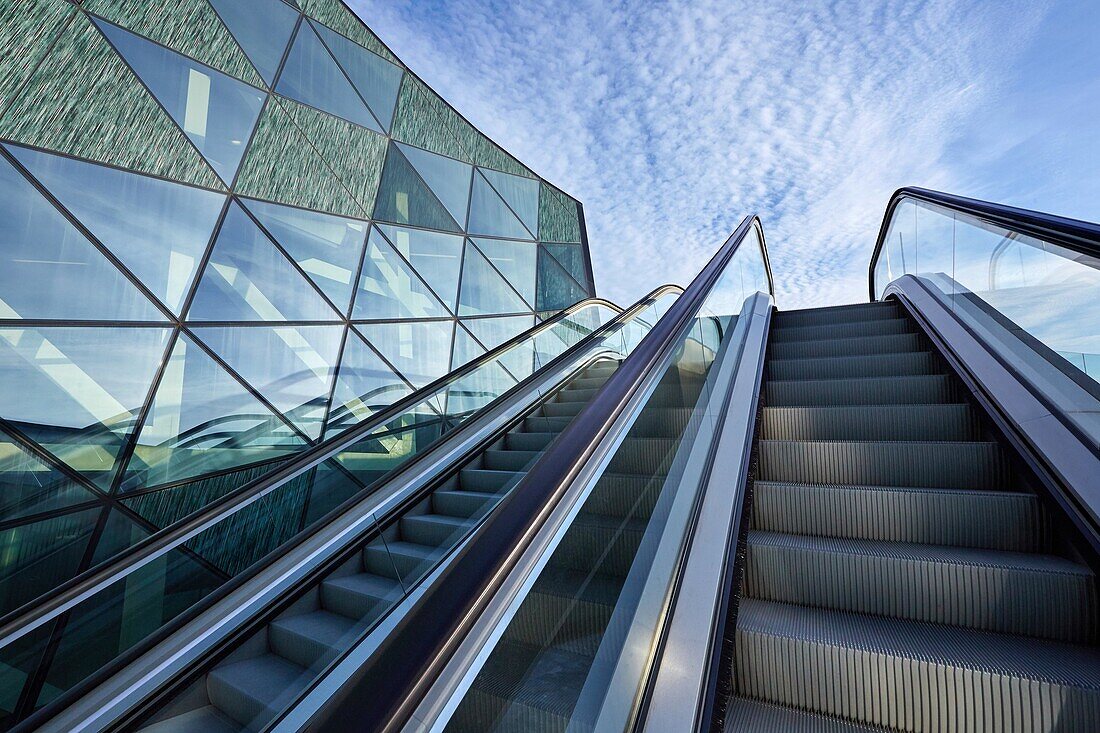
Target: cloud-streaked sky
672, 119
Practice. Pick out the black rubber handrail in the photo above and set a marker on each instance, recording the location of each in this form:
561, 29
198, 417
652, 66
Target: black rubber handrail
37, 612
411, 656
1079, 236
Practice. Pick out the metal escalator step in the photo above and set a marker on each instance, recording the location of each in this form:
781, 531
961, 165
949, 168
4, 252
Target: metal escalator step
546, 424
922, 389
207, 719
509, 460
400, 560
360, 596
916, 464
463, 503
661, 422
599, 543
753, 716
571, 394
846, 367
586, 382
486, 480
837, 314
435, 530
1012, 521
893, 344
528, 441
954, 422
307, 638
252, 691
561, 409
879, 327
643, 456
913, 676
566, 608
990, 590
619, 493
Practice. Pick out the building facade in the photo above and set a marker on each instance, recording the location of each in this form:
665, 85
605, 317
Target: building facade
228, 230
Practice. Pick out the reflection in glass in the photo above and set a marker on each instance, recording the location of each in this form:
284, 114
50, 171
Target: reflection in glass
419, 350
262, 28
520, 360
403, 198
39, 555
364, 385
477, 389
436, 257
29, 485
490, 215
377, 80
484, 291
449, 179
388, 287
517, 261
217, 112
521, 194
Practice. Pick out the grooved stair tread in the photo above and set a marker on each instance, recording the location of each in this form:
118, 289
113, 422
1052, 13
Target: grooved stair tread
305, 637
552, 679
365, 584
566, 582
266, 681
440, 519
822, 331
753, 716
207, 719
409, 549
987, 651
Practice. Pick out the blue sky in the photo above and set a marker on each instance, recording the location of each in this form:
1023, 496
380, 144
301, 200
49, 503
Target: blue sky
672, 119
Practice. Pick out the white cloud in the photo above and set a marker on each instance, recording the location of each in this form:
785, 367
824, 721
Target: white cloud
671, 120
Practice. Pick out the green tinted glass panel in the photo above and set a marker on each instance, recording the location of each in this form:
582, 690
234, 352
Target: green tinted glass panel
376, 79
419, 350
40, 555
435, 256
490, 215
215, 111
570, 257
328, 248
158, 229
334, 14
419, 121
283, 166
521, 195
388, 287
262, 28
203, 420
517, 261
26, 31
364, 385
77, 392
29, 485
190, 27
291, 366
484, 290
249, 279
83, 100
404, 199
449, 179
559, 216
48, 269
557, 288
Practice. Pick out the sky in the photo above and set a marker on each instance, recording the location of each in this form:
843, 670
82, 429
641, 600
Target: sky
671, 120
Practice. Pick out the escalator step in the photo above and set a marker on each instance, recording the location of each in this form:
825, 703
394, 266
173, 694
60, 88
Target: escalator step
207, 719
360, 596
1012, 521
483, 480
923, 389
848, 346
617, 494
435, 530
915, 464
837, 314
308, 637
643, 456
252, 691
753, 716
463, 503
1007, 592
509, 460
546, 424
528, 441
954, 422
598, 543
400, 560
586, 382
571, 394
570, 618
561, 409
848, 367
913, 676
880, 327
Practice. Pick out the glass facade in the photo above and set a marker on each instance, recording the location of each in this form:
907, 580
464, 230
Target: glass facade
228, 230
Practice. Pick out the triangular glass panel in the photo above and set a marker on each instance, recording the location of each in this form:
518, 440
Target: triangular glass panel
327, 247
29, 485
158, 229
435, 256
216, 111
522, 194
484, 291
571, 258
388, 287
473, 391
466, 348
78, 392
262, 28
364, 385
490, 215
48, 269
517, 261
557, 288
419, 350
203, 420
248, 279
377, 80
311, 76
291, 366
449, 179
37, 558
492, 332
404, 199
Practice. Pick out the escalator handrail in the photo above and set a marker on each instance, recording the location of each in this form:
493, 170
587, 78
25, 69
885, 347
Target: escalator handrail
37, 612
1079, 236
413, 654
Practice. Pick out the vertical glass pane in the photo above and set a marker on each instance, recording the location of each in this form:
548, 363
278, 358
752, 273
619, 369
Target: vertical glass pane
476, 390
48, 269
448, 179
419, 350
202, 420
435, 256
934, 242
312, 77
388, 287
404, 199
158, 229
40, 555
522, 194
263, 29
328, 248
248, 279
217, 112
291, 366
520, 360
484, 291
29, 485
517, 261
364, 385
78, 391
376, 79
466, 348
490, 215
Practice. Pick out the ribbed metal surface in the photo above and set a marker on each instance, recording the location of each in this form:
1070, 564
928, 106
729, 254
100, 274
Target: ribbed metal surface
752, 716
955, 422
923, 389
881, 327
846, 367
837, 314
848, 346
